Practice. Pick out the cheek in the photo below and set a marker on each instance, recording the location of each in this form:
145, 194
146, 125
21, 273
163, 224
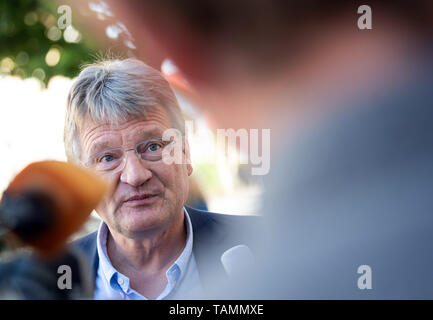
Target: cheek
182, 179
108, 201
174, 178
104, 206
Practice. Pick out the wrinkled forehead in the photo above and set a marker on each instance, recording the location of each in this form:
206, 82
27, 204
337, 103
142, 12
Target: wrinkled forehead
122, 132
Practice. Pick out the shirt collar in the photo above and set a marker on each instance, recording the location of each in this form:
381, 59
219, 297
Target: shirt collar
174, 274
107, 268
183, 259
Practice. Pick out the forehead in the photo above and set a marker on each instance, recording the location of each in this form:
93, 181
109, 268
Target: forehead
94, 135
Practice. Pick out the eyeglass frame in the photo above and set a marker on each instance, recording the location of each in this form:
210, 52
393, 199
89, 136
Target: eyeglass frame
86, 164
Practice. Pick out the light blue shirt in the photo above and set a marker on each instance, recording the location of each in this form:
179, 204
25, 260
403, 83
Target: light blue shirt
183, 281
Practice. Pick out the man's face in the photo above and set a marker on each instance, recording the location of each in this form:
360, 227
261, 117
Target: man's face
146, 194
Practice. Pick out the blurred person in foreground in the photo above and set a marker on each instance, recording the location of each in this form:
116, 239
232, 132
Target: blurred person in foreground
149, 245
348, 201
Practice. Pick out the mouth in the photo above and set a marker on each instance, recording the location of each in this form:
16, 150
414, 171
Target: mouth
142, 199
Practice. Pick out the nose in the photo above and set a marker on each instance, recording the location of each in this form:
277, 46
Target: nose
135, 172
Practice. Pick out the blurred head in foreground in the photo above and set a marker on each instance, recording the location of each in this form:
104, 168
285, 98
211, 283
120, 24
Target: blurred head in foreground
348, 198
250, 58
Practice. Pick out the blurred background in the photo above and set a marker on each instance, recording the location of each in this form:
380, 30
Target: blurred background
40, 54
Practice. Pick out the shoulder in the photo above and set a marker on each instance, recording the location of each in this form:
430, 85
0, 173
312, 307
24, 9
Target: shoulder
86, 243
207, 218
221, 227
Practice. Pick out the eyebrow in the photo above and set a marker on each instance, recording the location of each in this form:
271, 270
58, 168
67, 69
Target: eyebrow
144, 135
99, 146
149, 134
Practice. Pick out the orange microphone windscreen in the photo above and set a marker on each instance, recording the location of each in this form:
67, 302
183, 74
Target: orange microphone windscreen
74, 192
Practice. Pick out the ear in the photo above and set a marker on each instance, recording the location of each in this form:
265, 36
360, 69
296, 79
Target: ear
187, 157
189, 168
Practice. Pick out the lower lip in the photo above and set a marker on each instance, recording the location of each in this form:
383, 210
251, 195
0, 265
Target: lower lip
141, 202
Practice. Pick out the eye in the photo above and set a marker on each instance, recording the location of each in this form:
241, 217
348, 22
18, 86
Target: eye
153, 147
106, 158
150, 150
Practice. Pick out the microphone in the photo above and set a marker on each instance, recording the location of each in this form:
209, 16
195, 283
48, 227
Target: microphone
43, 205
237, 259
47, 202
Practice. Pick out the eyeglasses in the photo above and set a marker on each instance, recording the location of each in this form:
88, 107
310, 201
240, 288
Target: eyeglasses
110, 161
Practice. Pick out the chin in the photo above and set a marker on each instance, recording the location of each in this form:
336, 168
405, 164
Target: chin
141, 220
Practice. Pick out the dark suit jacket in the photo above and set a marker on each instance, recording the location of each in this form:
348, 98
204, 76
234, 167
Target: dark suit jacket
212, 235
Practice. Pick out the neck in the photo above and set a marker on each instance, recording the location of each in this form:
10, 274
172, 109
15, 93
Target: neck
152, 253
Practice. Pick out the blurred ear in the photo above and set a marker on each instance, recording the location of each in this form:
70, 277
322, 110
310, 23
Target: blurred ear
187, 157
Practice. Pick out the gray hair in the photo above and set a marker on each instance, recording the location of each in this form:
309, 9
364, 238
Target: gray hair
111, 91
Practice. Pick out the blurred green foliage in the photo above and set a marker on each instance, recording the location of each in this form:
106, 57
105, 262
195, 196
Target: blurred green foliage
28, 30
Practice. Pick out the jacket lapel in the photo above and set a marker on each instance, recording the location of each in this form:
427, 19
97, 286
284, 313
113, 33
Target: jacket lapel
208, 246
